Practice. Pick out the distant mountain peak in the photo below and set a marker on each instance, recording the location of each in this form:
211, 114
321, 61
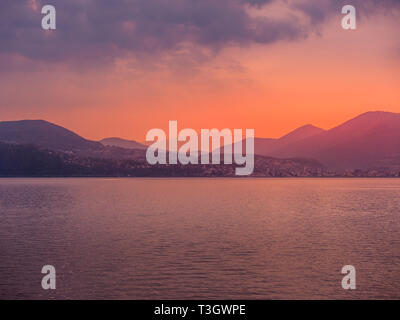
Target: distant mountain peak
300, 133
368, 120
375, 115
122, 143
377, 112
28, 122
359, 143
44, 134
306, 126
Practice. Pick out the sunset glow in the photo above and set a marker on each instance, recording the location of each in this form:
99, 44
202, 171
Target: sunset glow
323, 76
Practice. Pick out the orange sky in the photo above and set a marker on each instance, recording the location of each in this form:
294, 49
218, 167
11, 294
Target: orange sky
324, 80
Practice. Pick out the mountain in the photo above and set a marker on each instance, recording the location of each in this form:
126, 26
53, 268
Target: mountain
368, 145
40, 148
299, 134
44, 134
369, 140
122, 143
268, 146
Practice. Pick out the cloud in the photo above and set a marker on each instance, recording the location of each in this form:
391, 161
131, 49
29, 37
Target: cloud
101, 30
319, 11
94, 33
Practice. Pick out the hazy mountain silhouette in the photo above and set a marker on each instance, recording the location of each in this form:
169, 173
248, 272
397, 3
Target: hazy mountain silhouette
44, 134
122, 143
268, 146
369, 140
40, 148
299, 134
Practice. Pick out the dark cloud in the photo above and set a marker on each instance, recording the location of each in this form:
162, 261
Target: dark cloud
96, 32
101, 30
319, 11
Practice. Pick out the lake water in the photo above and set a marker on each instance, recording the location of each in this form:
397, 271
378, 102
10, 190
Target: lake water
199, 238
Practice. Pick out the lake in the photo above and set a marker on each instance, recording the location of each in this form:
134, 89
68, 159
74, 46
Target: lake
199, 238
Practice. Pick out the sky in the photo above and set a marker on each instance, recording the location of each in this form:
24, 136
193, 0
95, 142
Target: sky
121, 68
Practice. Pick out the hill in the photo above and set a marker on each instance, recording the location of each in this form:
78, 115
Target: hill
366, 141
122, 143
44, 134
268, 146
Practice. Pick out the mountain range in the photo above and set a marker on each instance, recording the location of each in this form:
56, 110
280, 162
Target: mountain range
370, 141
122, 143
